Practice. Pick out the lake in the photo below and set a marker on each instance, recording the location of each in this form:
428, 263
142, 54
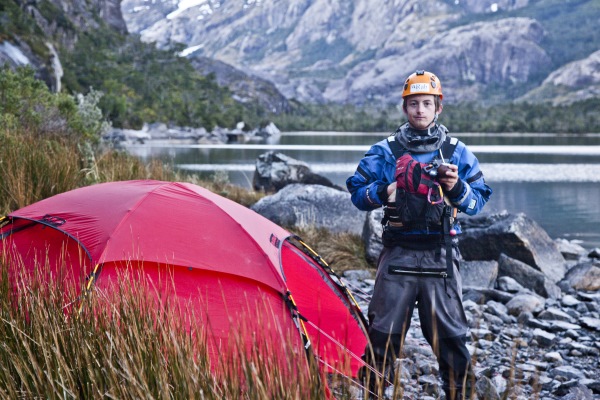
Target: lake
553, 178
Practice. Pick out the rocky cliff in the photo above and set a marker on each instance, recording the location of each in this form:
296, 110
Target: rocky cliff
33, 31
359, 51
245, 88
577, 80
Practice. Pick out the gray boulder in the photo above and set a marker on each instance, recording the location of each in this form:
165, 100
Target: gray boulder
487, 236
275, 170
304, 206
371, 234
479, 273
528, 277
508, 284
570, 250
525, 302
583, 276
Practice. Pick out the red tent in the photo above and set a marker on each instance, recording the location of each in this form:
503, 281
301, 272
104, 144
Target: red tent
229, 262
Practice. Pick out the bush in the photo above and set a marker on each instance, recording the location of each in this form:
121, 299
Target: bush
28, 106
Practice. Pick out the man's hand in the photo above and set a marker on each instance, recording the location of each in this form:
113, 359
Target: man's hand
447, 176
391, 191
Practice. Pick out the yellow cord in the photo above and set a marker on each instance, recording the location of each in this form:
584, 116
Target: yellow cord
300, 320
87, 288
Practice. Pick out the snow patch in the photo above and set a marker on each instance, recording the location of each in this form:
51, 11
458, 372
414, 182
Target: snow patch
187, 4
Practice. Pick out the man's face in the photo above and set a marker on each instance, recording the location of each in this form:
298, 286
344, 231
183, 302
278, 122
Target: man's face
420, 110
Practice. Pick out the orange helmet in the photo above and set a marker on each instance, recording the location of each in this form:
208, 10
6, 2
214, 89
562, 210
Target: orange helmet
422, 82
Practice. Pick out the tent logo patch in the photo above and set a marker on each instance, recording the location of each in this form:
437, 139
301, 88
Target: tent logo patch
274, 240
51, 220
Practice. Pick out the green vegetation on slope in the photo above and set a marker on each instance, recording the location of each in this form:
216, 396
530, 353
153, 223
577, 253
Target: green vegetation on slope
143, 84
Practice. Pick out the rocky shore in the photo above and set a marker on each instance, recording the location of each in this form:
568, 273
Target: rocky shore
161, 132
523, 346
533, 303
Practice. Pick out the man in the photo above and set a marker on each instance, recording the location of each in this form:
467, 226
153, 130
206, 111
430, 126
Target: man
422, 177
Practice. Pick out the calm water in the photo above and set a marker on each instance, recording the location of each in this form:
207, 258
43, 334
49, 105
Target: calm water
554, 179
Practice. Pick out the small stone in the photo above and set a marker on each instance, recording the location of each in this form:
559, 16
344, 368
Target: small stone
567, 371
590, 323
572, 334
560, 326
545, 339
555, 314
592, 384
569, 301
484, 344
535, 323
553, 356
481, 333
525, 303
485, 389
583, 349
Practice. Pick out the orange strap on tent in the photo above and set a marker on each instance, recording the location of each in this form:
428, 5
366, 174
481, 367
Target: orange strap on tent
87, 287
299, 320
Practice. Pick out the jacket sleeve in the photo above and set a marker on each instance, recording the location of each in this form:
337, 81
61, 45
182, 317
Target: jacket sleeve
369, 183
471, 192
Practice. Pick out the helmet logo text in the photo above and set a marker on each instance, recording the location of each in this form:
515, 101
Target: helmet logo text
419, 87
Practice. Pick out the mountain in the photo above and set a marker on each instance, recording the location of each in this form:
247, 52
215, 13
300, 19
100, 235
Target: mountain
245, 87
268, 52
82, 44
360, 51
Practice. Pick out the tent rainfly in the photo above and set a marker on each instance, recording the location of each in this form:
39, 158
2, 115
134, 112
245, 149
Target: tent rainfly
232, 265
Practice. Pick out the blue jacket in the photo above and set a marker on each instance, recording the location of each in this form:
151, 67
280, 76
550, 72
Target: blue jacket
376, 170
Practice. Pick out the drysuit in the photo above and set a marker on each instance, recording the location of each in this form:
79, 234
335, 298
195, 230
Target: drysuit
407, 271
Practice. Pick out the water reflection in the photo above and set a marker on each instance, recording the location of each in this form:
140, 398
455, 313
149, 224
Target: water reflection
528, 172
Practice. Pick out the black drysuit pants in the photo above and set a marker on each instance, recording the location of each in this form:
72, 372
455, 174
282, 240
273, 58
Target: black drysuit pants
400, 285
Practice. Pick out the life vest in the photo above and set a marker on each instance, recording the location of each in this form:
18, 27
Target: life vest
419, 200
419, 197
419, 205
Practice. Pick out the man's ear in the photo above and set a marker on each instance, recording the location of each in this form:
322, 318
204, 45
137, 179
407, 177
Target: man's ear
440, 108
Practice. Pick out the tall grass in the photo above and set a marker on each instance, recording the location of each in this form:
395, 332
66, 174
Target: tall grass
128, 345
342, 251
32, 169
